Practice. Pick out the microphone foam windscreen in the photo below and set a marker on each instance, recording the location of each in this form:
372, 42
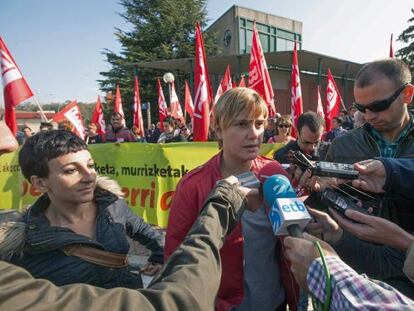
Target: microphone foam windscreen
270, 169
277, 186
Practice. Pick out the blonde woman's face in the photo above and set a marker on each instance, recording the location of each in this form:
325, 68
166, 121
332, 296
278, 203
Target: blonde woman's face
242, 139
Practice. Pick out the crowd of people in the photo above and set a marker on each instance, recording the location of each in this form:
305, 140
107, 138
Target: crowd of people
220, 249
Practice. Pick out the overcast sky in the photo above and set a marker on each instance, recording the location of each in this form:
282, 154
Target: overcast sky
58, 44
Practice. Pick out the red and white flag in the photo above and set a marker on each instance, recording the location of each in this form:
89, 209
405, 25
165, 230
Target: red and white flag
188, 101
391, 48
225, 84
333, 101
259, 79
296, 92
162, 105
242, 83
319, 108
118, 103
15, 87
137, 120
72, 113
176, 110
202, 95
98, 117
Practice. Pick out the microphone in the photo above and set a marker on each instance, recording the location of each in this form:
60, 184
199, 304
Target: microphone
288, 214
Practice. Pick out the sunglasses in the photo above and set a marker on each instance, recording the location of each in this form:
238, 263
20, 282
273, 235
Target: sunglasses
284, 125
380, 105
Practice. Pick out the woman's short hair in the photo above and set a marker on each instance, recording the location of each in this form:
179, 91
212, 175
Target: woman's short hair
45, 146
235, 101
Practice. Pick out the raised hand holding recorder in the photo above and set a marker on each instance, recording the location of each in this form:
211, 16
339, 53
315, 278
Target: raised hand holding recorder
372, 176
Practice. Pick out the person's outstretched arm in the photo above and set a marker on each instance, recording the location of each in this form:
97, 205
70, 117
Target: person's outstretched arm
189, 280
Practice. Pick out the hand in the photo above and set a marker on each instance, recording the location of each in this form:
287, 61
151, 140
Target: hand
301, 253
325, 225
253, 197
8, 142
314, 183
374, 229
151, 269
371, 176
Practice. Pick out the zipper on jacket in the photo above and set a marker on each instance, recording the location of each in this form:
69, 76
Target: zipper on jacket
43, 242
376, 144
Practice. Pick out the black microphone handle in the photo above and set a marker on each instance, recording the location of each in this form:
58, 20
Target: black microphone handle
294, 230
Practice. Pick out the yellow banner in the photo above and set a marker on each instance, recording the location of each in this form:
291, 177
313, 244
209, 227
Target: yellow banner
147, 173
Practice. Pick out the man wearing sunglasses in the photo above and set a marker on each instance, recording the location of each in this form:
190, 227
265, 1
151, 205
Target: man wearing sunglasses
310, 127
382, 92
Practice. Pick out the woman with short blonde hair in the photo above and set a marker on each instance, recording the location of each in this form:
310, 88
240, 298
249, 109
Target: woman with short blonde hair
251, 252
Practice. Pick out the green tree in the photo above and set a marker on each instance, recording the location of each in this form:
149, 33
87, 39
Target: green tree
159, 29
407, 36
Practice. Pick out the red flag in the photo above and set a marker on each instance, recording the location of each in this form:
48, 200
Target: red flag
259, 79
219, 91
72, 113
176, 110
391, 48
242, 83
188, 101
296, 92
333, 101
225, 84
98, 117
137, 120
162, 105
319, 108
118, 103
15, 87
202, 97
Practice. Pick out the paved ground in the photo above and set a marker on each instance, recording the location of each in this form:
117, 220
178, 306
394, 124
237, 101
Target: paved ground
138, 256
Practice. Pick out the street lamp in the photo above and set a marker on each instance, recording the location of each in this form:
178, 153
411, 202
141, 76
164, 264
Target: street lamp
169, 79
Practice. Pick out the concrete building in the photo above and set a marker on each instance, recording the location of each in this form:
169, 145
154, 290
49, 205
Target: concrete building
277, 35
32, 119
234, 30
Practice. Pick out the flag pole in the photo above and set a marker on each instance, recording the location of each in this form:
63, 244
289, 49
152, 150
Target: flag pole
42, 114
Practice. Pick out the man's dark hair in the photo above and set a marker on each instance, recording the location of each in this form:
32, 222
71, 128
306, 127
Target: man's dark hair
171, 121
116, 114
26, 127
312, 120
393, 69
44, 146
339, 120
46, 124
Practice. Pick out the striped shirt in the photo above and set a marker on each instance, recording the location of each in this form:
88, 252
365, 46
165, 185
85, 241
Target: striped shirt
351, 291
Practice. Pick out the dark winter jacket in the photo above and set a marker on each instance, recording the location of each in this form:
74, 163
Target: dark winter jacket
399, 181
189, 280
357, 145
37, 246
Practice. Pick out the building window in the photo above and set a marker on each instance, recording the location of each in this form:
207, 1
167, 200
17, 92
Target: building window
249, 40
264, 40
272, 38
272, 44
242, 40
285, 34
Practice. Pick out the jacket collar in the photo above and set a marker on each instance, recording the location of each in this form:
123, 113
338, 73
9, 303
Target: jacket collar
41, 236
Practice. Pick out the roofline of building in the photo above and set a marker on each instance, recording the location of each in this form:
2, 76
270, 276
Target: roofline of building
242, 7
